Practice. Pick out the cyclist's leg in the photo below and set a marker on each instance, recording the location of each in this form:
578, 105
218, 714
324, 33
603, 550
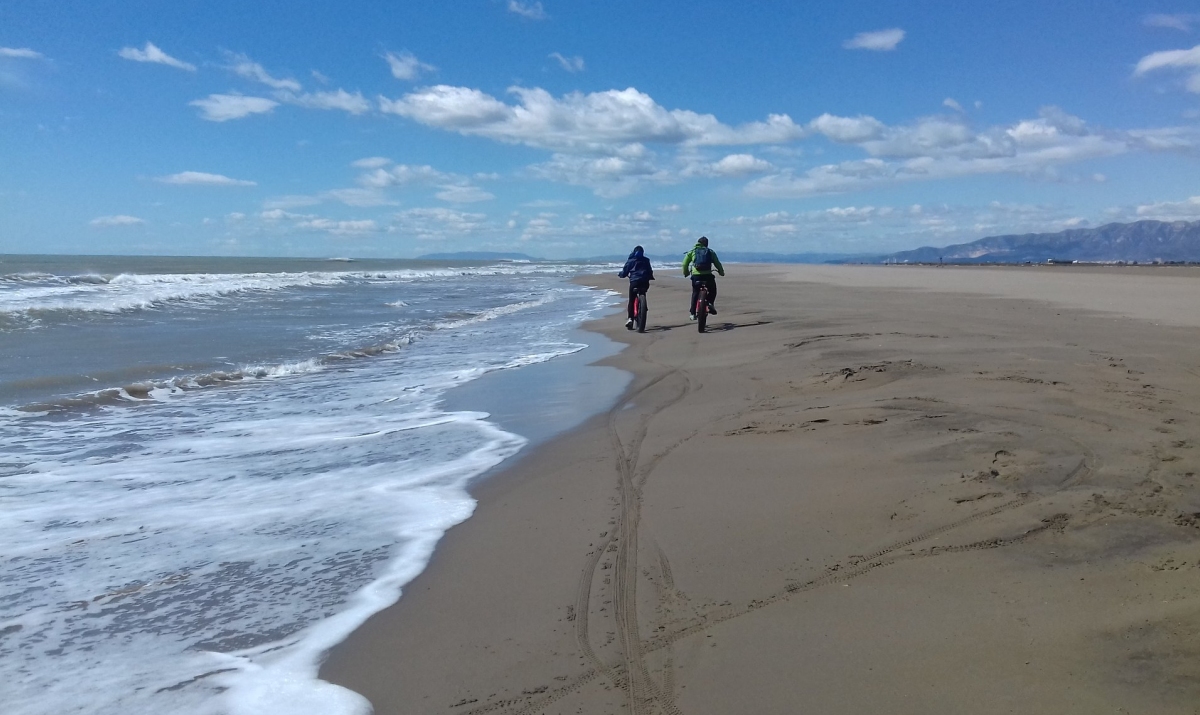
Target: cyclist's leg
695, 294
711, 281
633, 293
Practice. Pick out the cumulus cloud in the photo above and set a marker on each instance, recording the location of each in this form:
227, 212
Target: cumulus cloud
431, 224
1186, 210
878, 40
731, 165
200, 178
593, 122
607, 176
151, 53
1182, 22
952, 104
527, 10
223, 107
847, 130
405, 65
243, 66
341, 99
570, 64
120, 220
936, 148
21, 53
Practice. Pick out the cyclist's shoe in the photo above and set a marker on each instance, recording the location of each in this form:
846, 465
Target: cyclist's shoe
712, 310
629, 324
691, 316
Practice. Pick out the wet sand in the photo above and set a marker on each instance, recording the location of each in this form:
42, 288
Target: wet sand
867, 490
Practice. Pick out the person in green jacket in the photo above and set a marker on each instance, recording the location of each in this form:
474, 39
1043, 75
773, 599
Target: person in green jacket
699, 264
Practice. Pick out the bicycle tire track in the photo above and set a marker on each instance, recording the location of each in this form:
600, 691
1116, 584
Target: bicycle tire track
1056, 522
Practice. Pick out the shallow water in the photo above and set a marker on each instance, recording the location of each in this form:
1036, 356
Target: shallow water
212, 470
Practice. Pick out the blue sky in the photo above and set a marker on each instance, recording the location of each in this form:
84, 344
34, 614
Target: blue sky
565, 129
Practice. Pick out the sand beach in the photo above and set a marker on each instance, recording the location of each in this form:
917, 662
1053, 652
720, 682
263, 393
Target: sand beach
865, 490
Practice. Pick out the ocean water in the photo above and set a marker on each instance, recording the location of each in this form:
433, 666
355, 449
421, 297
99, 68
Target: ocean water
212, 470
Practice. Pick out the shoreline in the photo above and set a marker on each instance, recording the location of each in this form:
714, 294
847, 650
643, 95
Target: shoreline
839, 480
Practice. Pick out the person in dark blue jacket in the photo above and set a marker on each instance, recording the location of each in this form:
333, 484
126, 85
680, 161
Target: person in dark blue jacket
640, 273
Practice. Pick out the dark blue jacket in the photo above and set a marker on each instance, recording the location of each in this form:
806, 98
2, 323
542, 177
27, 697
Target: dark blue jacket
637, 268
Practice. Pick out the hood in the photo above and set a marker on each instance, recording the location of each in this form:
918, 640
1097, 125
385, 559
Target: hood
636, 253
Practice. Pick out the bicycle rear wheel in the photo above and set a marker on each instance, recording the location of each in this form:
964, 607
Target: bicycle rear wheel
702, 310
640, 309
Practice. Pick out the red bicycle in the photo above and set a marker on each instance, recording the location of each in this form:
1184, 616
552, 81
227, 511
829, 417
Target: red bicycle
701, 308
640, 308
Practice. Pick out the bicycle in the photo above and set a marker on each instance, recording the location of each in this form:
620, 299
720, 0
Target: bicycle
701, 308
640, 309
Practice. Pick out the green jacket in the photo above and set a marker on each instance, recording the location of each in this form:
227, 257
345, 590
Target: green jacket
691, 255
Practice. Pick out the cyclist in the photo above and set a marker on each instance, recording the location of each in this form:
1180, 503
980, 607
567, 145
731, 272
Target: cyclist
640, 273
699, 264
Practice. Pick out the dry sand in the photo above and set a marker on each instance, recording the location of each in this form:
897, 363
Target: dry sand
868, 490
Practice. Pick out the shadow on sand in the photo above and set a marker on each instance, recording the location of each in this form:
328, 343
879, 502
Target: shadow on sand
712, 327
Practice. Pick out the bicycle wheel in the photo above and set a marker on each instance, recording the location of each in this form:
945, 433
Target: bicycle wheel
702, 310
640, 310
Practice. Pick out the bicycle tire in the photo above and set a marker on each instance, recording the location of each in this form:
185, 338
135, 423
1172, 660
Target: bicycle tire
702, 310
641, 309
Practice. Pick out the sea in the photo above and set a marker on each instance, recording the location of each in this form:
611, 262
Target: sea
212, 470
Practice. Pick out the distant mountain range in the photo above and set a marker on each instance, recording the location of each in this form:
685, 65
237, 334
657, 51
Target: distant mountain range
1142, 241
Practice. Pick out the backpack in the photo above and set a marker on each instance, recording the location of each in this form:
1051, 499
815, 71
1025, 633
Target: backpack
702, 258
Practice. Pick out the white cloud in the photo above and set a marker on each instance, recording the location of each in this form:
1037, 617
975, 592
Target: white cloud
405, 65
847, 130
371, 162
358, 197
457, 194
1182, 22
570, 64
878, 41
607, 176
1168, 59
592, 122
243, 66
200, 178
731, 165
121, 220
339, 228
21, 53
278, 214
936, 148
279, 203
952, 104
1186, 60
341, 99
1186, 210
400, 175
223, 107
151, 53
670, 208
437, 223
528, 10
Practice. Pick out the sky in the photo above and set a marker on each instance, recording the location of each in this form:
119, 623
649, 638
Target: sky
578, 128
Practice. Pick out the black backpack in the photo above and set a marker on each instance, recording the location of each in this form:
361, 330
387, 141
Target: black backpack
702, 258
